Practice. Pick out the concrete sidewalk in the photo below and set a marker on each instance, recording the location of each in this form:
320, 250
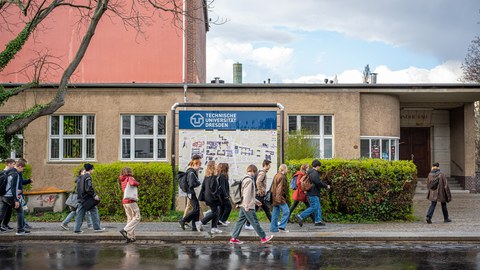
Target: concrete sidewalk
464, 211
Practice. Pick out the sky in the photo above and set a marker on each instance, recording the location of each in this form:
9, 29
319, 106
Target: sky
308, 41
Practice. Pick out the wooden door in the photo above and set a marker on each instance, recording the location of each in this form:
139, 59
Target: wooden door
415, 145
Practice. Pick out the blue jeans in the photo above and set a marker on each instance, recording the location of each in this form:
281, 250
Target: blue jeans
251, 216
81, 214
276, 214
315, 208
70, 216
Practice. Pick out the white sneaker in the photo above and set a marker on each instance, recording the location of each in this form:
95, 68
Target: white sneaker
65, 227
222, 223
199, 225
215, 230
250, 227
99, 230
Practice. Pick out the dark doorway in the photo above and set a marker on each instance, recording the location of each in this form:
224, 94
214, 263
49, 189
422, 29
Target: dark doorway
415, 145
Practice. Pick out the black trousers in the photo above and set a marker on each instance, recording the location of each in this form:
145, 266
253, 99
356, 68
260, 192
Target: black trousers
264, 206
193, 215
225, 209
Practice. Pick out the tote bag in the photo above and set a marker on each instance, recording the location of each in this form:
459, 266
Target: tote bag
130, 193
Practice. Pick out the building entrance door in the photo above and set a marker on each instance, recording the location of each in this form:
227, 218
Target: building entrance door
415, 145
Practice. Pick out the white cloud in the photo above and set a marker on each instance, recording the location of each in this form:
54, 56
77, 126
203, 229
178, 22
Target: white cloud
448, 72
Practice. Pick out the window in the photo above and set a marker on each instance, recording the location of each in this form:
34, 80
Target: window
17, 152
144, 137
72, 137
319, 129
379, 147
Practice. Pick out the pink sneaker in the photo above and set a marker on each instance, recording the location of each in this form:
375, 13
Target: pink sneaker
265, 239
235, 241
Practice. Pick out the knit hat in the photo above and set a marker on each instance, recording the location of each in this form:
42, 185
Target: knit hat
88, 166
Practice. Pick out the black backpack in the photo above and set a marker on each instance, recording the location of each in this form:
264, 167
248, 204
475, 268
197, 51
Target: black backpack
182, 181
3, 181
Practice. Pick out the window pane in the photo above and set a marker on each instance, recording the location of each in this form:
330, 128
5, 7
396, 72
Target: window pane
143, 125
161, 125
162, 150
365, 148
126, 125
375, 148
72, 148
385, 150
55, 148
311, 124
328, 148
327, 125
19, 150
315, 143
72, 125
125, 148
90, 125
90, 148
292, 123
393, 153
55, 128
143, 148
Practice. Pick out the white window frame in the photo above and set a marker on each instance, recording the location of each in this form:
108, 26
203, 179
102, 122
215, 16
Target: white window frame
60, 136
321, 137
381, 138
13, 153
132, 137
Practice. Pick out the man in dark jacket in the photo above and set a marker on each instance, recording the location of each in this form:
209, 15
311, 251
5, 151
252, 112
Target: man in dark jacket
10, 201
85, 193
438, 192
313, 195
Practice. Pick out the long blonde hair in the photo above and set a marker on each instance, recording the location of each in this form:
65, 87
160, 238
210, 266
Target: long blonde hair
210, 170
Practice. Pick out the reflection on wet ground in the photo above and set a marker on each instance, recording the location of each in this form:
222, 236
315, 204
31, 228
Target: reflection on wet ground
55, 255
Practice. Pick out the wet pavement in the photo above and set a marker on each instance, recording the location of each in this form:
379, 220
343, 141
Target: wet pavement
33, 255
464, 212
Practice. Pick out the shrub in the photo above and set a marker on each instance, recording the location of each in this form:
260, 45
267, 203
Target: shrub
366, 189
154, 193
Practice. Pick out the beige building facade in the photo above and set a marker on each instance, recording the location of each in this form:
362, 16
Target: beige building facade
132, 122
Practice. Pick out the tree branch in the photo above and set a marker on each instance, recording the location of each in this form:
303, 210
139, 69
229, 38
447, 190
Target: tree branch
59, 100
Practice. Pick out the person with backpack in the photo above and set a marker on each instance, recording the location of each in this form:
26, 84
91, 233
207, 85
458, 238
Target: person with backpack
11, 200
225, 204
279, 190
23, 203
129, 205
247, 208
192, 182
298, 194
261, 191
313, 194
86, 193
438, 191
210, 194
73, 209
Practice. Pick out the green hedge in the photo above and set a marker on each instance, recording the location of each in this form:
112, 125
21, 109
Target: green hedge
154, 192
365, 189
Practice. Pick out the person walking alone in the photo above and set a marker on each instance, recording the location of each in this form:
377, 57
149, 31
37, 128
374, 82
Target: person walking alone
131, 207
438, 191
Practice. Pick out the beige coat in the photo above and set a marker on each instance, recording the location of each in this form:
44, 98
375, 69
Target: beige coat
248, 193
442, 193
262, 183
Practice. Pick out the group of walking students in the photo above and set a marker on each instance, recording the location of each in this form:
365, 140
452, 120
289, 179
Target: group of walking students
254, 194
250, 194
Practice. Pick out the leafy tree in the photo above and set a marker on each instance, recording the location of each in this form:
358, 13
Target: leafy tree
299, 147
31, 13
